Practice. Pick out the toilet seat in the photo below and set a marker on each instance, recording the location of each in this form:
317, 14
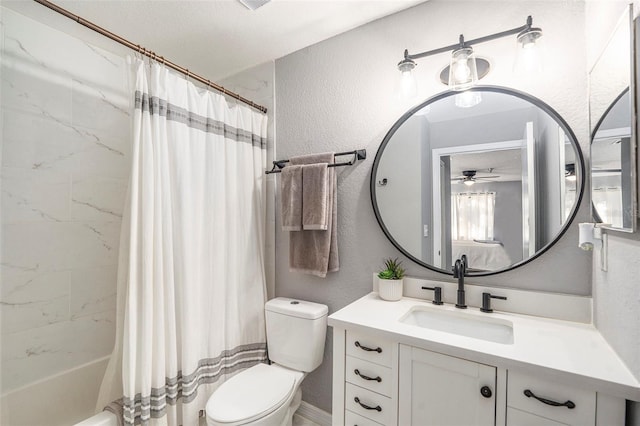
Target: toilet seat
252, 394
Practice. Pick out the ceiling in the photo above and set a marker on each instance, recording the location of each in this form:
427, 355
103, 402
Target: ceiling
505, 164
218, 38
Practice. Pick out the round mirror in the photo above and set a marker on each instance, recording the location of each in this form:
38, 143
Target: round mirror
612, 182
491, 173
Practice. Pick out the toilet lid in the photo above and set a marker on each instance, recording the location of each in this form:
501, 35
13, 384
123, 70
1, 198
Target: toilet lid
251, 394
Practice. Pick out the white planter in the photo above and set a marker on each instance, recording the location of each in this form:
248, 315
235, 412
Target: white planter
390, 289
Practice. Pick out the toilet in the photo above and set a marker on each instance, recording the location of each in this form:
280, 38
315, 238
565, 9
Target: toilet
269, 395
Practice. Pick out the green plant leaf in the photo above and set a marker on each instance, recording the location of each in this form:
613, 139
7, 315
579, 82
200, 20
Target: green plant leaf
392, 270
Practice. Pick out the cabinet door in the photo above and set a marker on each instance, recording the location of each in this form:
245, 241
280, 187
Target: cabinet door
440, 390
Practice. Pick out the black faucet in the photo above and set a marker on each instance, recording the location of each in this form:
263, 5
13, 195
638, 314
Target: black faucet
459, 271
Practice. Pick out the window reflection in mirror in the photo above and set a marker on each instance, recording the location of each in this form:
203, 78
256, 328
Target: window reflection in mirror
498, 181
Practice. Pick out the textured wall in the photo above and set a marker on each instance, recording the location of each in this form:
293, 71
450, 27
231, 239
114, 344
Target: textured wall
258, 84
65, 168
617, 298
338, 95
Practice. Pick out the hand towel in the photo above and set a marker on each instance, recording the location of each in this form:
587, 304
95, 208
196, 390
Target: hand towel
315, 252
315, 197
291, 198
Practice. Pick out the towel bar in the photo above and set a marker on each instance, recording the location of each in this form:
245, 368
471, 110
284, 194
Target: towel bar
359, 154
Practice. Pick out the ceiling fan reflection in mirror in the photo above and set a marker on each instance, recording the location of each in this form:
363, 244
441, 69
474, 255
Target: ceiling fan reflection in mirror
469, 177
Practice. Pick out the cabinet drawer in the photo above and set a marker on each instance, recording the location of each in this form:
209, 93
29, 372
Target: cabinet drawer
369, 348
353, 419
520, 418
583, 414
380, 407
368, 375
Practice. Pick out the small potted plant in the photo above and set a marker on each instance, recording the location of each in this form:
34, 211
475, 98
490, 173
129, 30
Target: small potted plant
390, 280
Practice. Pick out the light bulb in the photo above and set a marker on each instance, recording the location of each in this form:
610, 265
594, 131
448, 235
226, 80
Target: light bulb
462, 69
408, 86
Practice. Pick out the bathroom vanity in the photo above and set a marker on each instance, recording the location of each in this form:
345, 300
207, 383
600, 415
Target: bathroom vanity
414, 363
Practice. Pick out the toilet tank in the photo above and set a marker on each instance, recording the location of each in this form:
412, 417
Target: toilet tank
296, 332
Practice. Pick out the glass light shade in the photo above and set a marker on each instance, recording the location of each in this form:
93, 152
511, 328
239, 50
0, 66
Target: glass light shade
467, 99
469, 182
407, 85
529, 53
463, 73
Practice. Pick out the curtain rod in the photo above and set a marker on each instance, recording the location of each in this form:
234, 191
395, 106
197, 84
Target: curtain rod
148, 53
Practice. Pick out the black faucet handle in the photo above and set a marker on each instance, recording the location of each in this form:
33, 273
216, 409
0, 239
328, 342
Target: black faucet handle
437, 294
457, 266
486, 301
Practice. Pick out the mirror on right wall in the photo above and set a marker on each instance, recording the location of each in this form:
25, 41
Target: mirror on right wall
613, 134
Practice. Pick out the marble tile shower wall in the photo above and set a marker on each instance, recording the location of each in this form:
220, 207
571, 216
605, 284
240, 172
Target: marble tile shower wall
65, 165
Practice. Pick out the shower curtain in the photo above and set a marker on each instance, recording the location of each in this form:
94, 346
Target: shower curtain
191, 286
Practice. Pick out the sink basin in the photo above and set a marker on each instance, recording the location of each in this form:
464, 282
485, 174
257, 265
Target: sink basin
463, 324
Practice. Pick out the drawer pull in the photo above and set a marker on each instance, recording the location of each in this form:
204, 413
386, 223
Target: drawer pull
358, 373
569, 404
364, 348
366, 407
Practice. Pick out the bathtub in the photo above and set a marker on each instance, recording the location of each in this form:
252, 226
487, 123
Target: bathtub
77, 402
105, 418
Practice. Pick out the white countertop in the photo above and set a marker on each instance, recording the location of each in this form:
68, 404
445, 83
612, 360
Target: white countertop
560, 350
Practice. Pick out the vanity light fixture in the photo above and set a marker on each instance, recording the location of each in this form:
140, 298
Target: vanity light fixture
528, 56
465, 69
463, 72
408, 84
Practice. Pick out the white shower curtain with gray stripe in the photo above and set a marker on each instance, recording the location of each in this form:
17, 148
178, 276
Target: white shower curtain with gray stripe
191, 286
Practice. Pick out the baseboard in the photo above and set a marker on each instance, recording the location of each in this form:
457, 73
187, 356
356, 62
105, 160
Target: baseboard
313, 413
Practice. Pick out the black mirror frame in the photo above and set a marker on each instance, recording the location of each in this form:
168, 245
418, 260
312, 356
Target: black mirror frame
497, 89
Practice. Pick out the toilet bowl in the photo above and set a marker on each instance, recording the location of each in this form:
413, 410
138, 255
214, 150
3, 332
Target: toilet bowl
269, 394
265, 395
